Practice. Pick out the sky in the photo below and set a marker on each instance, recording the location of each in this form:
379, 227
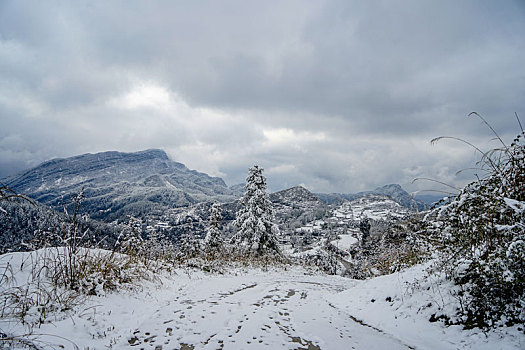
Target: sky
337, 96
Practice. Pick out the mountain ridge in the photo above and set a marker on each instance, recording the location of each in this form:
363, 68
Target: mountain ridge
394, 191
119, 183
134, 183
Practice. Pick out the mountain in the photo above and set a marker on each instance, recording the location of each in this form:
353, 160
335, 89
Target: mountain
117, 183
430, 199
295, 207
400, 196
394, 191
293, 196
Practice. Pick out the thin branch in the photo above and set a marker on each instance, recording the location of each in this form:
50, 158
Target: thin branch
490, 127
519, 122
437, 191
435, 140
437, 181
468, 143
7, 193
459, 172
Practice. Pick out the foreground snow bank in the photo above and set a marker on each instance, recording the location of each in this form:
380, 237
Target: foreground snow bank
281, 308
402, 304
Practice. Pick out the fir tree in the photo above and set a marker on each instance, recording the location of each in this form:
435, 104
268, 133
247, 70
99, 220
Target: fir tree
130, 240
214, 240
256, 233
364, 227
189, 244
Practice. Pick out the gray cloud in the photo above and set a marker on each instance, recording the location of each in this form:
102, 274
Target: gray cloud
335, 95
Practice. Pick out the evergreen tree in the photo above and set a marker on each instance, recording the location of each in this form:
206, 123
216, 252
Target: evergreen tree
214, 240
130, 240
364, 227
189, 244
256, 233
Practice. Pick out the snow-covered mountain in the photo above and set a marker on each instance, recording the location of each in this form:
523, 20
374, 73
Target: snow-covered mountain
164, 194
394, 191
371, 206
117, 183
297, 204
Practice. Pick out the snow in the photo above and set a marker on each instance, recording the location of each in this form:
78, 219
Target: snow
517, 206
248, 308
402, 304
372, 207
345, 242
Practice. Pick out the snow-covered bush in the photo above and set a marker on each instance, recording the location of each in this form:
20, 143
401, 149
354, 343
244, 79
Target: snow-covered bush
391, 248
325, 261
480, 236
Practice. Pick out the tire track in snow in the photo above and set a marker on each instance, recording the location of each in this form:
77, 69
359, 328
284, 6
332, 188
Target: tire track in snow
258, 312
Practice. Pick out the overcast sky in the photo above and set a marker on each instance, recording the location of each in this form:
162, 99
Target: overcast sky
339, 96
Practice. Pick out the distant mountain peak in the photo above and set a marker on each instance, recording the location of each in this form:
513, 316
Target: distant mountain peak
390, 186
394, 191
155, 153
122, 182
296, 193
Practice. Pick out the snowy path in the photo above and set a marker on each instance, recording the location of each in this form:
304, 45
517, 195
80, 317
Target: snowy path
252, 309
257, 313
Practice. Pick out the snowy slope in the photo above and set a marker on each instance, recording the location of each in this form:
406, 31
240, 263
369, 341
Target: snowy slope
371, 206
290, 308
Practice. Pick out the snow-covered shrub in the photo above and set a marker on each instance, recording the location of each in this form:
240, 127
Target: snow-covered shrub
46, 291
325, 261
480, 236
391, 248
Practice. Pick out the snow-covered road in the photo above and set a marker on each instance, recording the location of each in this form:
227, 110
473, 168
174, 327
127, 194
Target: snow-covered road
267, 311
247, 308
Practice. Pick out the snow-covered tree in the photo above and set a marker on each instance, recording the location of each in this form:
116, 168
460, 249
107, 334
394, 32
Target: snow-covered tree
214, 240
130, 240
189, 244
364, 227
256, 232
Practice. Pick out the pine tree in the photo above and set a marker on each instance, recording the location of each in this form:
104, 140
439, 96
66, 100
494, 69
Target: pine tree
256, 233
364, 227
189, 244
214, 240
130, 240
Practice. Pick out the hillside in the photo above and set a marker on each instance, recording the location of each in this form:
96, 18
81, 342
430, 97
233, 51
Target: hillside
115, 183
394, 191
164, 195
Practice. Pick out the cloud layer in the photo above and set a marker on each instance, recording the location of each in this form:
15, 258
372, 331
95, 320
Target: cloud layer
335, 95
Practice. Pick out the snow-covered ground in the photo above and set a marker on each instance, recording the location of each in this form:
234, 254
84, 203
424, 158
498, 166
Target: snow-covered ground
290, 308
345, 242
371, 206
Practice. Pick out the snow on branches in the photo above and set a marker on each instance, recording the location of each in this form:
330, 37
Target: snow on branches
256, 232
214, 241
